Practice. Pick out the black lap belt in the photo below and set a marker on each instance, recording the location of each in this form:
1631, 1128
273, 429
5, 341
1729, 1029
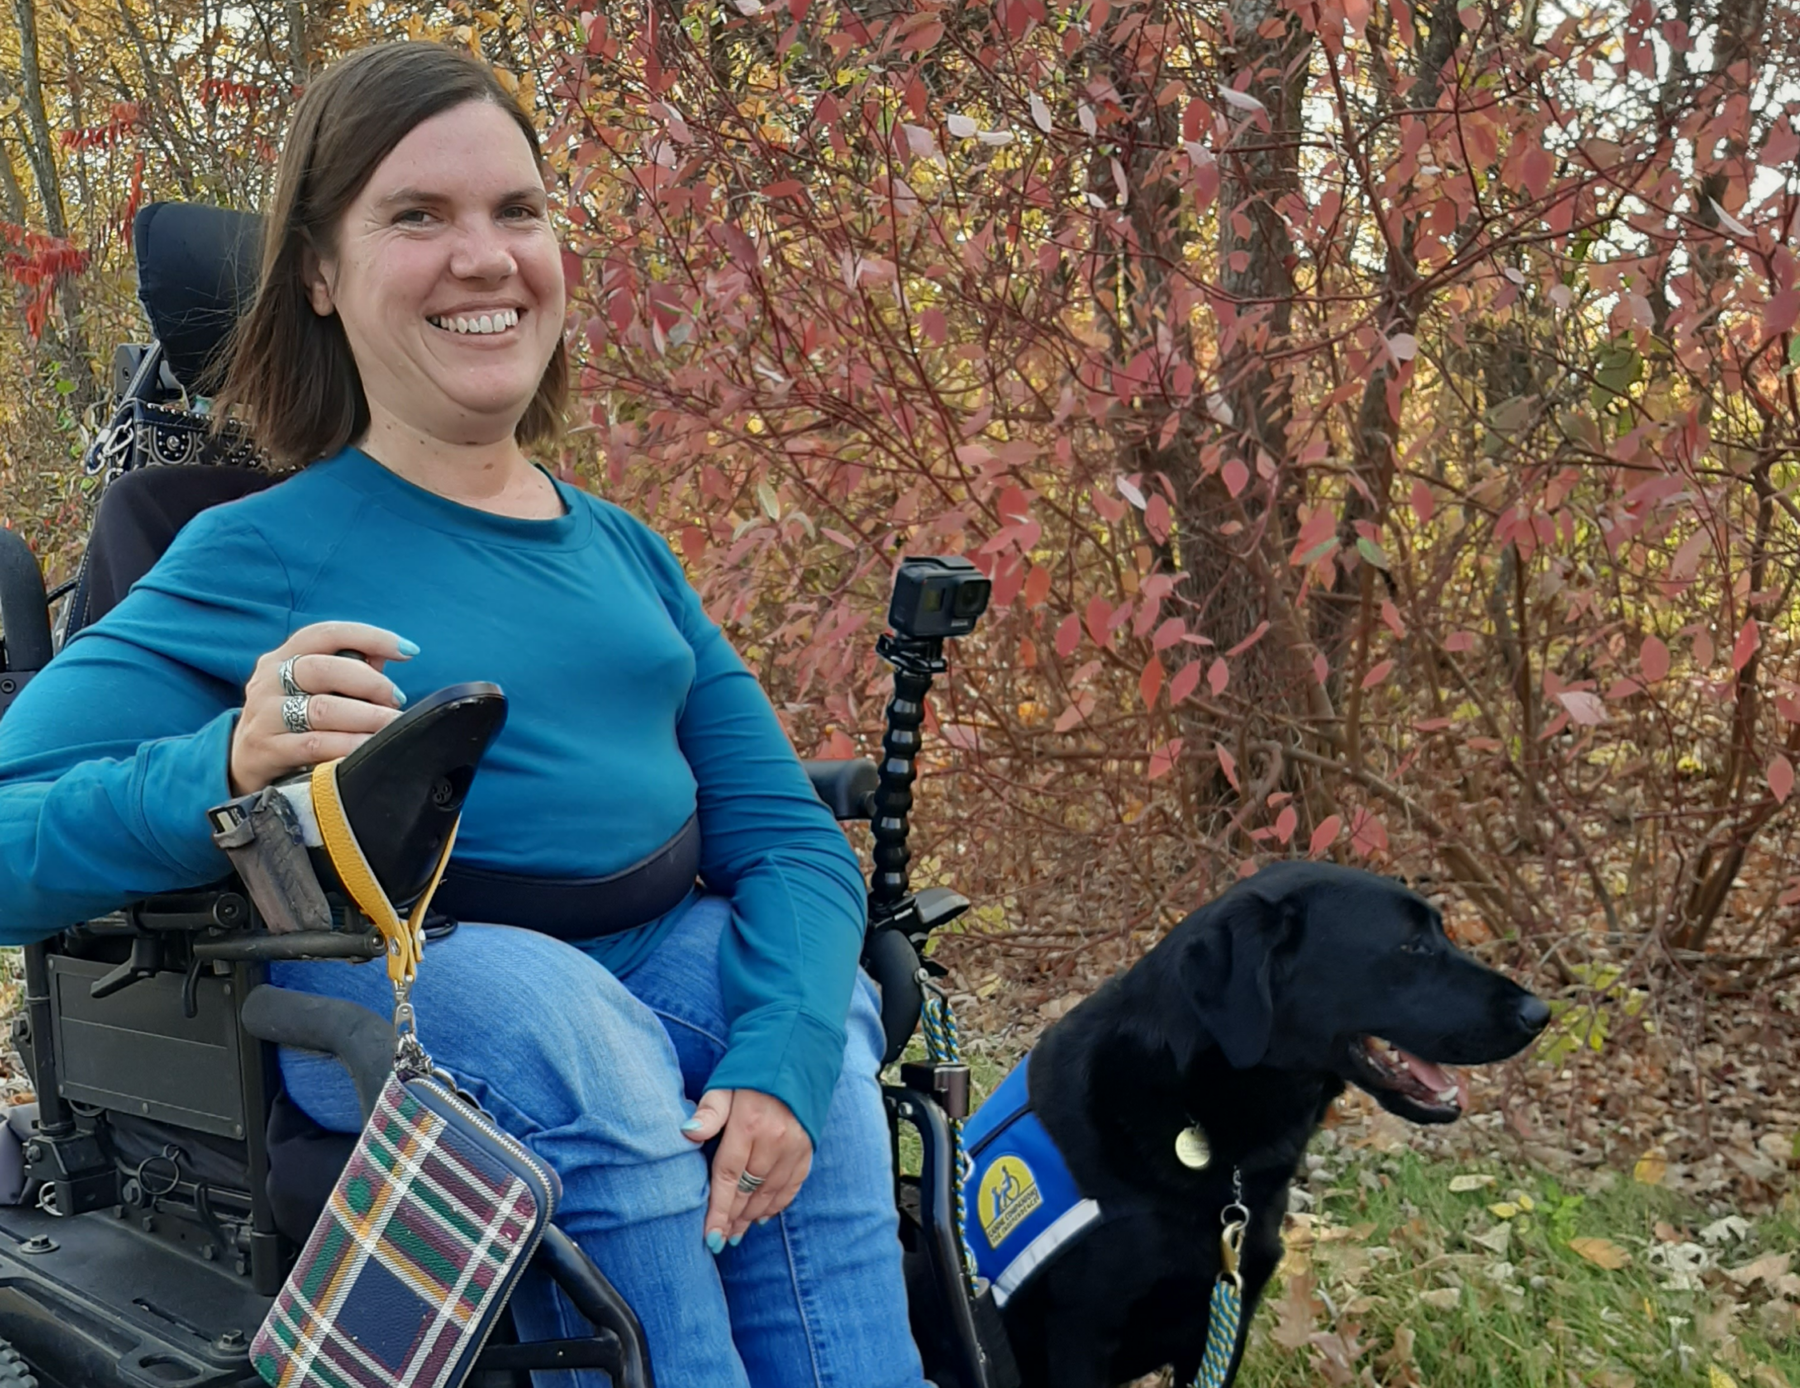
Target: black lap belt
576, 908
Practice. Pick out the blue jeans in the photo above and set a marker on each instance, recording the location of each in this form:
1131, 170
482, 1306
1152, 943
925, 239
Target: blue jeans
596, 1074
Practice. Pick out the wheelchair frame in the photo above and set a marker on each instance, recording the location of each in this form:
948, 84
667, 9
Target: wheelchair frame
151, 1274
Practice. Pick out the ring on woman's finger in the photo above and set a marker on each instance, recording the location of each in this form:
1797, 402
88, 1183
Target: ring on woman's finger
748, 1183
289, 685
296, 713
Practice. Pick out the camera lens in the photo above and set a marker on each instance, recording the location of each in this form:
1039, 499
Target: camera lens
972, 597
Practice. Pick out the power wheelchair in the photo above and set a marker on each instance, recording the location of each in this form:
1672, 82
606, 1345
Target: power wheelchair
168, 1181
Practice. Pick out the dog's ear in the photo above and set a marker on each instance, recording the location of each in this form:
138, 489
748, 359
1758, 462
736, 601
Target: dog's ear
1224, 974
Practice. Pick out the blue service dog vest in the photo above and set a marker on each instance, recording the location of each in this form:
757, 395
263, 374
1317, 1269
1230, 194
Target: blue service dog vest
1023, 1205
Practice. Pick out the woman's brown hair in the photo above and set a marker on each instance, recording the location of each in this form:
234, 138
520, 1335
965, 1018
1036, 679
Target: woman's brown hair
290, 371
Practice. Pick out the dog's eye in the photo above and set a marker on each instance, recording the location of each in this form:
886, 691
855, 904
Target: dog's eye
1416, 944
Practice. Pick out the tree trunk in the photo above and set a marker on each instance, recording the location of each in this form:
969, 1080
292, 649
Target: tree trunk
1233, 576
40, 152
299, 42
1256, 254
10, 191
1402, 303
1237, 577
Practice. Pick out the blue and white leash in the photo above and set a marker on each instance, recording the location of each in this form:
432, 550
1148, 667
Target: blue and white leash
1226, 1309
943, 1046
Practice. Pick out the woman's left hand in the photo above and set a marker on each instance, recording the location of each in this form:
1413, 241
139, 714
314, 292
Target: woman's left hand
758, 1134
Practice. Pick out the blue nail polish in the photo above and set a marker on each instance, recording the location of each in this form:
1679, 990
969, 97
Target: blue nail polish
736, 1239
715, 1242
400, 696
408, 648
764, 1220
692, 1125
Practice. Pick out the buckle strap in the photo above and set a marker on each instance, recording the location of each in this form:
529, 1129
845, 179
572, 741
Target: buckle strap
579, 908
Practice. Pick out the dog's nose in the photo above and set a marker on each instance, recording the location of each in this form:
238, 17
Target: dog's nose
1534, 1012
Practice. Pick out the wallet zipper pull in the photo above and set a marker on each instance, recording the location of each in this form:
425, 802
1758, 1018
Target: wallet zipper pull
410, 1059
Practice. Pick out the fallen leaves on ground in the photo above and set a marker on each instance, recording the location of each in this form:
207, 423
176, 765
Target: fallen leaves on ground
1295, 1313
1601, 1252
1769, 1268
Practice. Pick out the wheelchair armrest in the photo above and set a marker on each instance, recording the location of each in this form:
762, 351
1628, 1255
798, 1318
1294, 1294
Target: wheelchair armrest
894, 965
358, 1039
847, 787
616, 1345
24, 616
939, 906
597, 1300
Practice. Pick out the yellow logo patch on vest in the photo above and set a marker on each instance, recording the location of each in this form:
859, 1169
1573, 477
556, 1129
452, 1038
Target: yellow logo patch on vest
1008, 1194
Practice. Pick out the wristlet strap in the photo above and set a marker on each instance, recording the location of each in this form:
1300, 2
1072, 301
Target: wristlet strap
405, 938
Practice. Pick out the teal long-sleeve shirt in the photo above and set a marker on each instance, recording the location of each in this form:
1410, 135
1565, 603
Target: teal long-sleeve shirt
628, 713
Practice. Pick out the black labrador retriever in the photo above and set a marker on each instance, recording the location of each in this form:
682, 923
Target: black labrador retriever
1247, 1020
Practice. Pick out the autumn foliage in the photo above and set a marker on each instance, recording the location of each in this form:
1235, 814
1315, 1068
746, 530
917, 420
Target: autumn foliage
1378, 420
35, 263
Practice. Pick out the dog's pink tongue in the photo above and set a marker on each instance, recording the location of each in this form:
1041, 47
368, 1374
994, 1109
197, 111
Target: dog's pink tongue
1433, 1077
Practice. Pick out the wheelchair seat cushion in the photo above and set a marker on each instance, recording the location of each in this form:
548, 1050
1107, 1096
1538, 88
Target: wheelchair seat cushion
304, 1163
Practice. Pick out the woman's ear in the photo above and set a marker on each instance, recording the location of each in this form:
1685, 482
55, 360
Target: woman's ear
317, 277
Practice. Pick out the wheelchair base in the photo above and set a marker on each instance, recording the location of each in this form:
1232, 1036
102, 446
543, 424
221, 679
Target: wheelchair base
94, 1302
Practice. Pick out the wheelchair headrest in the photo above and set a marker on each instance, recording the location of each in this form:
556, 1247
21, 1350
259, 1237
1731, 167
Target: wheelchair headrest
197, 271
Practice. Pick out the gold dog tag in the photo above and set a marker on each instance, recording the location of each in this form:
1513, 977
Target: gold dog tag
1192, 1149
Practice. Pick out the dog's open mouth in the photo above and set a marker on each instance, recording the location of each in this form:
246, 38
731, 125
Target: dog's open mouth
1413, 1088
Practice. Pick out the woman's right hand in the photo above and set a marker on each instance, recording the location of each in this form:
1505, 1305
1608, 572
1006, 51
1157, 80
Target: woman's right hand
349, 699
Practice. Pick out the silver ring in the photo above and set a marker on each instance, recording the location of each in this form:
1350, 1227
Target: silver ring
748, 1183
296, 713
289, 685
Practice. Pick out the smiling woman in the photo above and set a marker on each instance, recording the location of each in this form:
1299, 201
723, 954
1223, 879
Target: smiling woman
655, 986
385, 257
448, 282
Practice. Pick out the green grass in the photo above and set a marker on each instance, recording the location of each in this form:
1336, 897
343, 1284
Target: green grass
1395, 1279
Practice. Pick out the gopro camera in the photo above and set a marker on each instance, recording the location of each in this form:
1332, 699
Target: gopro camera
937, 597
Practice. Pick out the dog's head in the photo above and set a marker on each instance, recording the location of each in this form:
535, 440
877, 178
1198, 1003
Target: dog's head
1312, 967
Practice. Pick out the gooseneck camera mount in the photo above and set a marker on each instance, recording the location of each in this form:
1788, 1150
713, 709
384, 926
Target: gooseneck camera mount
916, 660
934, 598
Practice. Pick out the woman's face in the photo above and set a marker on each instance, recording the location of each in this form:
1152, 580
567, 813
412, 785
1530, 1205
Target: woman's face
448, 280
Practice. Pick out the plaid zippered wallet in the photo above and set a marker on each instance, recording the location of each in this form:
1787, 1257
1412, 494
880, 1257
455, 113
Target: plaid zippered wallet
427, 1231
